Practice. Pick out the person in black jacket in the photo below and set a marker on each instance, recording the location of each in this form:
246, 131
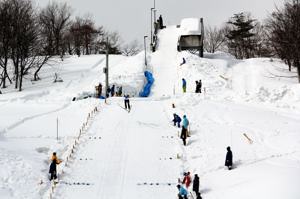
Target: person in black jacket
52, 170
196, 184
228, 160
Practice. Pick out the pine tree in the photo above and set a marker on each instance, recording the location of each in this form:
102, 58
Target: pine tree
240, 36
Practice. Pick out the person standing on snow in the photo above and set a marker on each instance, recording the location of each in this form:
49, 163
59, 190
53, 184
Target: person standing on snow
184, 85
197, 87
52, 170
127, 102
200, 86
184, 130
161, 22
196, 184
182, 192
187, 179
228, 160
177, 120
112, 90
185, 124
99, 90
120, 91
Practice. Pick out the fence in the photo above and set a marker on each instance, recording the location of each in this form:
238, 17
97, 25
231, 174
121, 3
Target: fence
71, 150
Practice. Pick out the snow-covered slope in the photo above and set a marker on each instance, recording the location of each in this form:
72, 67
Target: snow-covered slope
139, 154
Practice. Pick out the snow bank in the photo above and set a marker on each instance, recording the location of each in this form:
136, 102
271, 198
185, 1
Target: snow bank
190, 26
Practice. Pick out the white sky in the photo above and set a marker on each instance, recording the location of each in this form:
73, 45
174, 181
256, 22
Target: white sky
131, 18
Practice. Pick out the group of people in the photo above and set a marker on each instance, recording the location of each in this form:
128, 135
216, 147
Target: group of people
114, 91
185, 124
184, 82
184, 185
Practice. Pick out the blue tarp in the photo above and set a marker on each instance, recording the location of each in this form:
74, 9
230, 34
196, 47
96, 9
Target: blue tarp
147, 89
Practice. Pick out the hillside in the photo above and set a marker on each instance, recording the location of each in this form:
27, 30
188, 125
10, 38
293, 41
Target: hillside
139, 154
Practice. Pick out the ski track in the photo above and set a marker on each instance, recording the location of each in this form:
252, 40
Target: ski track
115, 170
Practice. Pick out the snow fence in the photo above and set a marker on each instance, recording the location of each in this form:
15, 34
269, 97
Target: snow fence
147, 88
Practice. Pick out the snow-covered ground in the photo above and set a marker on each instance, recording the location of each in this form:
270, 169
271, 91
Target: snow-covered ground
138, 154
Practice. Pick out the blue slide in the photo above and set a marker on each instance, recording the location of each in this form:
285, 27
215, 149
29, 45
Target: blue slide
147, 89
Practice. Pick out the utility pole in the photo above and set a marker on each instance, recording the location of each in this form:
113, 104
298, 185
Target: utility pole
145, 50
151, 26
106, 68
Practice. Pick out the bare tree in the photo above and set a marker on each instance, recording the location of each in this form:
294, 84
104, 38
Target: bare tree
5, 38
284, 31
131, 49
25, 43
114, 41
54, 20
214, 39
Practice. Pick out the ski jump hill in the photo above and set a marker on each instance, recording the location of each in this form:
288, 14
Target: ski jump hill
251, 105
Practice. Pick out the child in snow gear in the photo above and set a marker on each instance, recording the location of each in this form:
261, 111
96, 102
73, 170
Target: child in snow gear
184, 85
196, 184
183, 61
182, 192
52, 170
127, 103
228, 160
177, 120
187, 179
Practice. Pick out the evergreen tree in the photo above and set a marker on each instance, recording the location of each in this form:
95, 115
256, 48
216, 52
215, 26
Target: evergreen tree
240, 36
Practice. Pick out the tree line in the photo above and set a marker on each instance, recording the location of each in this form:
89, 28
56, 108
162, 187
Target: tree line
245, 37
31, 36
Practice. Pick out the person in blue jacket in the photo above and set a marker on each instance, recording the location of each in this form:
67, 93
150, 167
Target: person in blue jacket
185, 122
182, 192
184, 85
176, 120
184, 130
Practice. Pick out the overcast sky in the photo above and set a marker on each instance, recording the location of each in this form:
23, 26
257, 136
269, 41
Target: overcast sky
131, 18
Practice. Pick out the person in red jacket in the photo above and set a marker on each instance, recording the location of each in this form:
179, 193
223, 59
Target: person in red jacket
187, 179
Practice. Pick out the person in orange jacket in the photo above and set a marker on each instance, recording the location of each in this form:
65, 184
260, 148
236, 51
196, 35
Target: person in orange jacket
52, 170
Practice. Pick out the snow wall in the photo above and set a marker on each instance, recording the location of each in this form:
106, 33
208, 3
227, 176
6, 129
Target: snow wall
147, 88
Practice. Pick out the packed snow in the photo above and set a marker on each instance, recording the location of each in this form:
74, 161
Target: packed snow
251, 105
